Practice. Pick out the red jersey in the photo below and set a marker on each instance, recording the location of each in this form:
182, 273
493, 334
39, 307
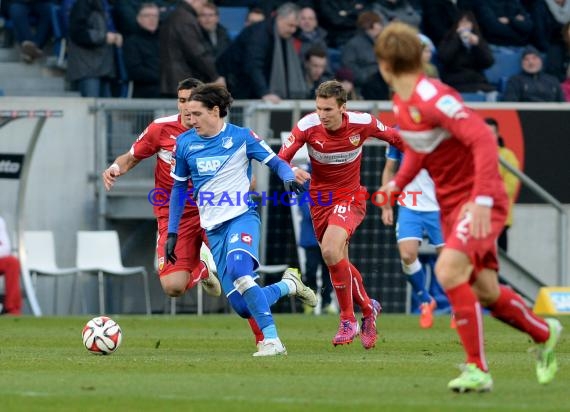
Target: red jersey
159, 139
336, 155
452, 142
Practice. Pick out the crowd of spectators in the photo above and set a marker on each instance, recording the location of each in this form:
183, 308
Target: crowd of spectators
277, 54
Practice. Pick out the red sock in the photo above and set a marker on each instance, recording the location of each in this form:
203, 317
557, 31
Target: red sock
467, 310
512, 310
342, 283
200, 272
256, 331
359, 294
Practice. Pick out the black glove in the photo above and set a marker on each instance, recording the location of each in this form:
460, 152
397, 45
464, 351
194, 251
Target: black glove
169, 247
294, 187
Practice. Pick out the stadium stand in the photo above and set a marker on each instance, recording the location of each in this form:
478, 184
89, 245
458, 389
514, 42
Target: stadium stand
233, 19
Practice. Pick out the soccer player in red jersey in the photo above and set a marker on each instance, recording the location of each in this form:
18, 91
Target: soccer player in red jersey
458, 150
334, 139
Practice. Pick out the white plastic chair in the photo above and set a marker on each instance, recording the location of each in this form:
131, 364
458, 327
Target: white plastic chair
100, 251
40, 251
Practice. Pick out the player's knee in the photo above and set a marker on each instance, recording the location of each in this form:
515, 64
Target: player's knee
239, 305
239, 264
174, 291
408, 257
331, 254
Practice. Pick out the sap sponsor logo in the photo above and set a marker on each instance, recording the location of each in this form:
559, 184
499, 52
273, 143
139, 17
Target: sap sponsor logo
234, 238
11, 166
561, 301
208, 166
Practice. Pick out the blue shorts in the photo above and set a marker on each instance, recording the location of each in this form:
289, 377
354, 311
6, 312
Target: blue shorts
413, 224
241, 233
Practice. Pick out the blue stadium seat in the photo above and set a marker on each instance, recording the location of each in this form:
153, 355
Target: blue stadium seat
474, 97
233, 19
507, 64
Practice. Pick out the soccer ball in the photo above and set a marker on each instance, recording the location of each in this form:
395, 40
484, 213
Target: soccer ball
102, 335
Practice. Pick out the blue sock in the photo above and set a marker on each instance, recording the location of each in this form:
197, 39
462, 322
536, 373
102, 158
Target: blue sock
416, 277
259, 308
418, 282
269, 332
275, 291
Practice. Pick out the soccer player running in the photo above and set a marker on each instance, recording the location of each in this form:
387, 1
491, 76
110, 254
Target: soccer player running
159, 139
334, 139
216, 156
419, 215
458, 150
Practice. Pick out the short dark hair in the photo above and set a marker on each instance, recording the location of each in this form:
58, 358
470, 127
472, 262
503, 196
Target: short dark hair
332, 88
212, 95
189, 83
318, 51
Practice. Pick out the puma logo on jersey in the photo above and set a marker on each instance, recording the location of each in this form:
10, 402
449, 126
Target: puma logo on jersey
320, 143
209, 165
342, 217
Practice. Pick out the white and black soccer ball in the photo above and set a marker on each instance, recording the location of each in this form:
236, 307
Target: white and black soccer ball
102, 335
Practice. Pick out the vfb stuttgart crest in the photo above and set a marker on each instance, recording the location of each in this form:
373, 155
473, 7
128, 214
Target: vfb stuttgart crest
354, 139
415, 114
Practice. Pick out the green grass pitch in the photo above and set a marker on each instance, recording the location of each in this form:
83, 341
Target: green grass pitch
191, 363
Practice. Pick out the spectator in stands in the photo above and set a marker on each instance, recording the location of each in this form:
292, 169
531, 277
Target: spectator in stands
315, 65
184, 52
346, 78
375, 88
309, 33
464, 55
126, 12
339, 18
511, 181
262, 63
400, 10
550, 18
532, 84
358, 52
10, 268
503, 22
216, 35
142, 53
91, 54
255, 15
438, 16
429, 68
31, 41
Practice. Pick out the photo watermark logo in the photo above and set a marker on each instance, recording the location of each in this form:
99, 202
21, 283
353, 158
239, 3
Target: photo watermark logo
161, 197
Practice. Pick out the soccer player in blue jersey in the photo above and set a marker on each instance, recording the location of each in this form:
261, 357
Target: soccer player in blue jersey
419, 215
217, 157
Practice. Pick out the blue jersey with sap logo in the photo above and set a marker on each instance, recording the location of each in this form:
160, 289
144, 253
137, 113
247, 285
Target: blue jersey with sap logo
220, 169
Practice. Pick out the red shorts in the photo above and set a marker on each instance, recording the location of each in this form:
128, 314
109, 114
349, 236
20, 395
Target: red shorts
347, 214
190, 238
481, 252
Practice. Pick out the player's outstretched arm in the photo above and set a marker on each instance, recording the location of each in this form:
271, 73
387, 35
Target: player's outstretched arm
120, 166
